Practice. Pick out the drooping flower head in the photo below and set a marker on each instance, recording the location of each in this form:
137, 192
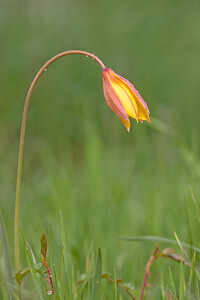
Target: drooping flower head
123, 98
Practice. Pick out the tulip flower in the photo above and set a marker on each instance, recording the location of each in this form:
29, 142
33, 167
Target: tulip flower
120, 95
123, 98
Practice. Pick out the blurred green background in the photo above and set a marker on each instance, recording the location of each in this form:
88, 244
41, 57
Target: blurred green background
78, 156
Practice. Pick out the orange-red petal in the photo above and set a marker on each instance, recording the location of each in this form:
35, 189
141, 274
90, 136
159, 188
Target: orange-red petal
111, 96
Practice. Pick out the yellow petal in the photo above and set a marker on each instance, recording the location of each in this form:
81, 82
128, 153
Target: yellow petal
126, 123
142, 112
138, 103
126, 96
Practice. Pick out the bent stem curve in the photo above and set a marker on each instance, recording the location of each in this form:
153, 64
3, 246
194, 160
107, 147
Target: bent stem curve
22, 136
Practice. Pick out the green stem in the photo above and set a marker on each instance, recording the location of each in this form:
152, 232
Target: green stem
21, 146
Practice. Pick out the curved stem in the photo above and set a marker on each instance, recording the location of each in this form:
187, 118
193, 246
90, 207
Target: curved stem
21, 146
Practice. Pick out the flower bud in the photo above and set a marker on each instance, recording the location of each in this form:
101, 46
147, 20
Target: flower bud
123, 98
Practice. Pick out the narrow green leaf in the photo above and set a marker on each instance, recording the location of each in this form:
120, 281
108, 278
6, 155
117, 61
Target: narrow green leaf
7, 262
55, 283
96, 286
62, 277
195, 203
191, 274
162, 288
35, 277
90, 256
64, 245
172, 283
115, 284
73, 284
82, 289
189, 231
159, 239
195, 280
181, 288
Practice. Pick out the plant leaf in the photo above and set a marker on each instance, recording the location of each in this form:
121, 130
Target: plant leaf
96, 287
159, 239
172, 283
82, 289
35, 277
7, 263
64, 245
21, 274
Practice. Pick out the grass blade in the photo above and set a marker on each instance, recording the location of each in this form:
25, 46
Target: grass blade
115, 278
172, 283
81, 289
35, 277
66, 279
64, 245
181, 283
153, 238
7, 263
195, 203
96, 287
55, 283
195, 280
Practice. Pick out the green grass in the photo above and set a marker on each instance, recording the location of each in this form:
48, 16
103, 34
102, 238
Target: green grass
80, 160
